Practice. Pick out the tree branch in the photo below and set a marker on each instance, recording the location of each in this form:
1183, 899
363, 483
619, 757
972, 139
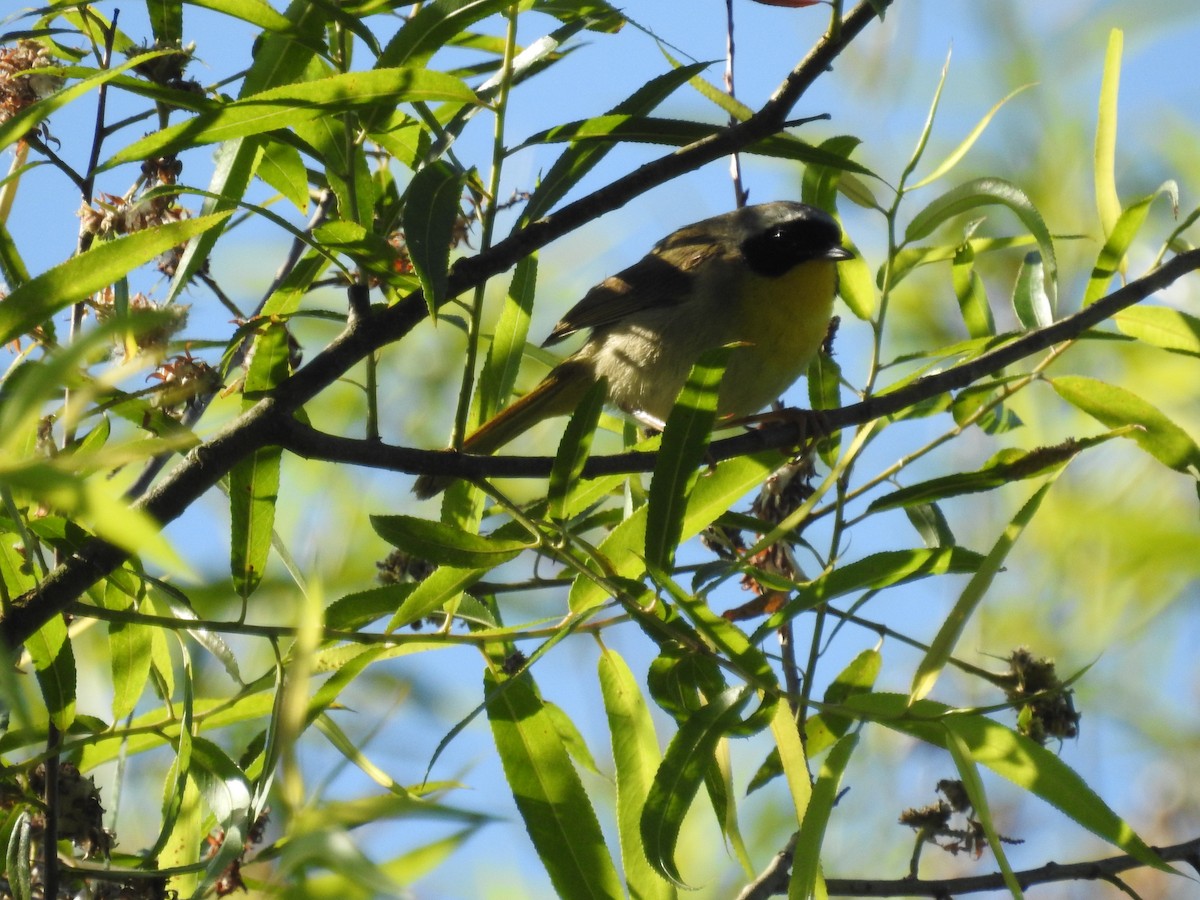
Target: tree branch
258, 427
774, 879
312, 444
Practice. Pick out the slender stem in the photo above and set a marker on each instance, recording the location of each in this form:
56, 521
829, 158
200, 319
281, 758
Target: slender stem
740, 194
488, 226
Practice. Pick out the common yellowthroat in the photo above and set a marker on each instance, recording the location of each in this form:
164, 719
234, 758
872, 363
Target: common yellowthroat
761, 277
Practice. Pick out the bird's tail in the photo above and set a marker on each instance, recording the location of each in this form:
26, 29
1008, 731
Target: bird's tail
557, 394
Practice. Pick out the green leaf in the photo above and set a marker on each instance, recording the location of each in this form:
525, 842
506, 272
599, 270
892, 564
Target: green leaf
105, 263
97, 503
971, 293
131, 652
927, 128
1004, 468
680, 133
874, 572
789, 754
684, 765
636, 757
431, 208
503, 360
819, 186
253, 494
1161, 326
354, 610
1116, 407
856, 285
255, 12
576, 161
54, 664
968, 772
1010, 755
968, 142
931, 524
435, 25
553, 804
574, 447
1121, 234
1108, 202
712, 496
12, 267
286, 105
942, 647
732, 644
824, 380
166, 21
446, 583
985, 192
282, 167
858, 677
806, 860
684, 441
29, 118
444, 544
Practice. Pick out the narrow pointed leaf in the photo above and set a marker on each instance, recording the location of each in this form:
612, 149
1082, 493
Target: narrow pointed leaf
445, 544
1108, 202
1121, 234
1004, 468
879, 570
968, 142
108, 261
574, 447
54, 664
952, 628
636, 757
503, 359
806, 860
713, 495
284, 106
578, 160
968, 772
131, 651
1115, 407
1011, 755
683, 443
971, 294
986, 192
431, 208
554, 806
1161, 326
687, 760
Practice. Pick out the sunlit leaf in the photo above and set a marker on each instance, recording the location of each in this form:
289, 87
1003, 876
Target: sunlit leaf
636, 757
1155, 433
684, 440
106, 262
680, 775
955, 623
554, 806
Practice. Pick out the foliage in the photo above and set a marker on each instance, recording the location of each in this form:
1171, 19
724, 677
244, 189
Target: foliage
379, 141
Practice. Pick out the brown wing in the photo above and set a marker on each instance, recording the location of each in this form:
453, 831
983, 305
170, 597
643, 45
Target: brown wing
661, 278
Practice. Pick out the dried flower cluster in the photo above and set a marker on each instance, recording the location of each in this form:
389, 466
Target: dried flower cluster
19, 91
1045, 708
934, 824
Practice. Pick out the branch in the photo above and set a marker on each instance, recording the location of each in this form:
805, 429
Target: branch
775, 877
312, 444
258, 427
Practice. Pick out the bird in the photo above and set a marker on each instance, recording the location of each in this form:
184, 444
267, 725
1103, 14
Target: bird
761, 278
